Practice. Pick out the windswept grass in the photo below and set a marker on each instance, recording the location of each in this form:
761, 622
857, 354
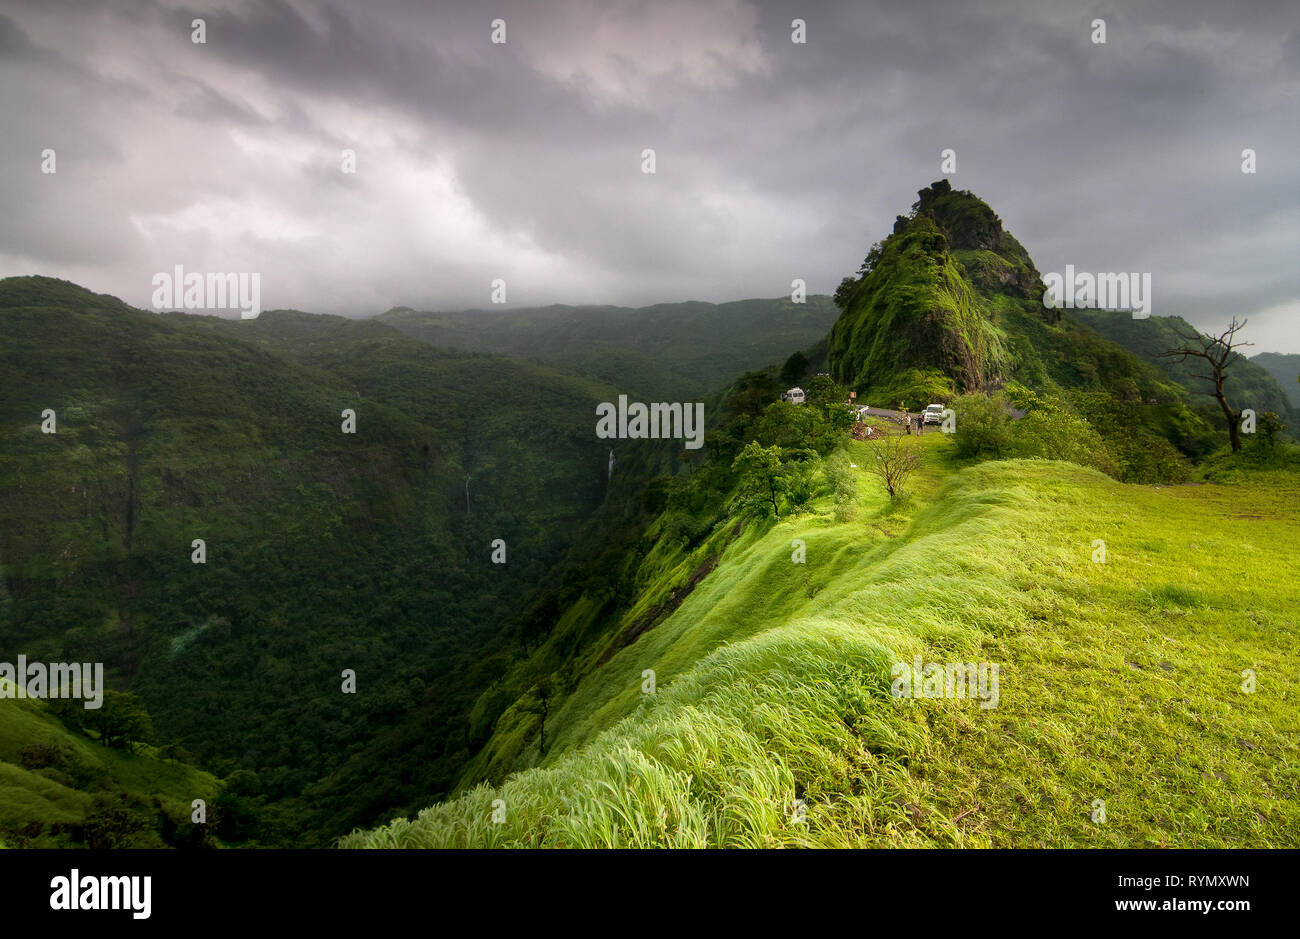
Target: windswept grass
773, 722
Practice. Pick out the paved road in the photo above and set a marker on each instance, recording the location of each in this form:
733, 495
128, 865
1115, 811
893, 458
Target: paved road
882, 412
1016, 413
897, 417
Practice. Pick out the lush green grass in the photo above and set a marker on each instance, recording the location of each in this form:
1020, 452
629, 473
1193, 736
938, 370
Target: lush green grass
49, 802
1119, 681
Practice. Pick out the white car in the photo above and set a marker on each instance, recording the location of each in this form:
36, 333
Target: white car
933, 413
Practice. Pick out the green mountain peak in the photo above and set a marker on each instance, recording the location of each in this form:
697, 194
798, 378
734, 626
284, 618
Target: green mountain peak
931, 303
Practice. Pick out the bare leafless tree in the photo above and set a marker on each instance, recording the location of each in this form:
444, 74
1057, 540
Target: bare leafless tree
894, 461
1218, 355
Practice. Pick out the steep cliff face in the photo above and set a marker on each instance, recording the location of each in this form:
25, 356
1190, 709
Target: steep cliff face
935, 301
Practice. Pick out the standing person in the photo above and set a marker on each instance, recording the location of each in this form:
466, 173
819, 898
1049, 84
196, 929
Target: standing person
920, 424
907, 424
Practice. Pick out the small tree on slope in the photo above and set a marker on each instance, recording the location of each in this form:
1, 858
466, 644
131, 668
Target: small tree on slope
894, 462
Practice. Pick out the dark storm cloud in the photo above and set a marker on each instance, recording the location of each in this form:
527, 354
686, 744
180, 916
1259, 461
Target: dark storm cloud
14, 44
522, 160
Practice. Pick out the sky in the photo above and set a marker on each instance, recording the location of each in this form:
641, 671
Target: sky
523, 160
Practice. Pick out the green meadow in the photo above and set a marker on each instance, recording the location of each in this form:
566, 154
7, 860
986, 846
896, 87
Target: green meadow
1126, 714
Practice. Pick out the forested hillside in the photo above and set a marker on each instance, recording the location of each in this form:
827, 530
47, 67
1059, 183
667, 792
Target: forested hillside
325, 551
1250, 384
62, 788
409, 553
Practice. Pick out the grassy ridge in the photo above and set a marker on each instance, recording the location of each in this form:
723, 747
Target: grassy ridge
1119, 681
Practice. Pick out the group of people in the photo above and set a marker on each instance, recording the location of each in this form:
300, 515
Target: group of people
916, 421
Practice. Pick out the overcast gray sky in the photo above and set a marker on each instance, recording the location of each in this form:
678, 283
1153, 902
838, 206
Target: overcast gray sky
522, 160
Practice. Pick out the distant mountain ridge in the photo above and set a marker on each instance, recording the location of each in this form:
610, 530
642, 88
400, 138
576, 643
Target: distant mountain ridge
667, 351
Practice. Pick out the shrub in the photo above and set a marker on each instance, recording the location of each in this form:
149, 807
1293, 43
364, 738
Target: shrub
1051, 433
843, 485
800, 471
983, 426
1270, 427
42, 755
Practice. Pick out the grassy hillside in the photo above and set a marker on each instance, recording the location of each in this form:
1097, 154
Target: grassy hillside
1120, 681
325, 551
668, 352
1285, 369
59, 788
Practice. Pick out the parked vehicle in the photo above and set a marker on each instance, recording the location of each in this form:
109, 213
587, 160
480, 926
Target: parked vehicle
933, 413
